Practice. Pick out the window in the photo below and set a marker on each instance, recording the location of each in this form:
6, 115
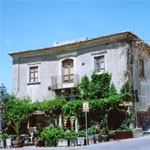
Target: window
33, 74
99, 64
141, 67
67, 71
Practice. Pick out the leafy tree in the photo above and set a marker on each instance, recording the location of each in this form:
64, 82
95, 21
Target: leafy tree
126, 87
83, 88
97, 88
112, 89
15, 111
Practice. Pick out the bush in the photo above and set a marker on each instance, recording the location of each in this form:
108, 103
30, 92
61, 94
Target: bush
70, 134
81, 133
51, 135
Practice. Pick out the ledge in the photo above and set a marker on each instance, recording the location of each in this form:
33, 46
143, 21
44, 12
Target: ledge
32, 83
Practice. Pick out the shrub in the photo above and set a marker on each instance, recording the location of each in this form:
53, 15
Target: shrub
81, 133
70, 134
50, 135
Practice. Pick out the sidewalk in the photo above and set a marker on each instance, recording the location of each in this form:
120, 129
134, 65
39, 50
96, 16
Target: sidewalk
141, 143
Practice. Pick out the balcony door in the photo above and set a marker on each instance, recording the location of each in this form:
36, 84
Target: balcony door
67, 66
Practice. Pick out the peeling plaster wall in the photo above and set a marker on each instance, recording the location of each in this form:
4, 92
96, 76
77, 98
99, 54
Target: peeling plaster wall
49, 65
142, 84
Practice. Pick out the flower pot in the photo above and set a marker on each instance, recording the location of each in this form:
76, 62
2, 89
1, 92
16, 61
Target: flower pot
62, 142
8, 143
80, 141
111, 137
104, 138
97, 138
17, 143
73, 142
123, 134
2, 143
90, 139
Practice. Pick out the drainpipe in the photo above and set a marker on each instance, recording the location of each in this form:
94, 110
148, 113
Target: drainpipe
132, 76
18, 86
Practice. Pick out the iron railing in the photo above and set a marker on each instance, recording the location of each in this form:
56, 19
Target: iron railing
58, 82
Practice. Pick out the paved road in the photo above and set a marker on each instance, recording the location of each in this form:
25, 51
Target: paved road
142, 143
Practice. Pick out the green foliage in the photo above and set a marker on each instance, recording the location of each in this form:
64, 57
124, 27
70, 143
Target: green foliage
97, 88
92, 130
51, 108
126, 87
125, 124
98, 109
102, 82
15, 111
70, 134
83, 88
111, 133
4, 136
126, 91
112, 90
50, 135
81, 133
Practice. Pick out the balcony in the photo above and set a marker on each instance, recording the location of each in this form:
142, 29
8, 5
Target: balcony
62, 82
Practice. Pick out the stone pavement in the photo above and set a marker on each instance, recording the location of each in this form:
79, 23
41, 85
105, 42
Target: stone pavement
141, 143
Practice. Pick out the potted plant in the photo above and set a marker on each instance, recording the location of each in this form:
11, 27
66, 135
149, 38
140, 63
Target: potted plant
81, 137
62, 141
91, 132
124, 131
8, 141
71, 135
104, 129
104, 134
111, 135
50, 136
3, 138
97, 136
17, 110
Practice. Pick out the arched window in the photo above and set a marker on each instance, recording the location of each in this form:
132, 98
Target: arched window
67, 70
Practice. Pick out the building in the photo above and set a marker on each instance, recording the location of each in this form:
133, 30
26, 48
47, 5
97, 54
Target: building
44, 73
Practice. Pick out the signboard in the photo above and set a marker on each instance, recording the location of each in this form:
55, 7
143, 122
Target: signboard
85, 106
126, 104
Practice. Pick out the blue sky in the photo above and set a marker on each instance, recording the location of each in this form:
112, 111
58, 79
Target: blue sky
32, 24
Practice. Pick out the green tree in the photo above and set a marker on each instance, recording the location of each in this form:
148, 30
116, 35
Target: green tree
15, 111
112, 89
83, 88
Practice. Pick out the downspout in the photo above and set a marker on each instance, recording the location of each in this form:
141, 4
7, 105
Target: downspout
18, 79
133, 88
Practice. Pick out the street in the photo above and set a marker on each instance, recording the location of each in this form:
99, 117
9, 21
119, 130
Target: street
142, 143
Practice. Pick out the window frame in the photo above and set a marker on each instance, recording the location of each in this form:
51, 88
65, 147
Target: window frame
99, 70
142, 70
34, 70
69, 75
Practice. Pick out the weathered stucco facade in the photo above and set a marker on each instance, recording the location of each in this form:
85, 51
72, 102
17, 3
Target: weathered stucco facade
121, 55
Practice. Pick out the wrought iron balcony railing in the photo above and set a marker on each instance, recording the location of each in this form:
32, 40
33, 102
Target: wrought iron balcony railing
61, 82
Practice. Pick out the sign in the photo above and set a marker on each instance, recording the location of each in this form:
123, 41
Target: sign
85, 106
126, 104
